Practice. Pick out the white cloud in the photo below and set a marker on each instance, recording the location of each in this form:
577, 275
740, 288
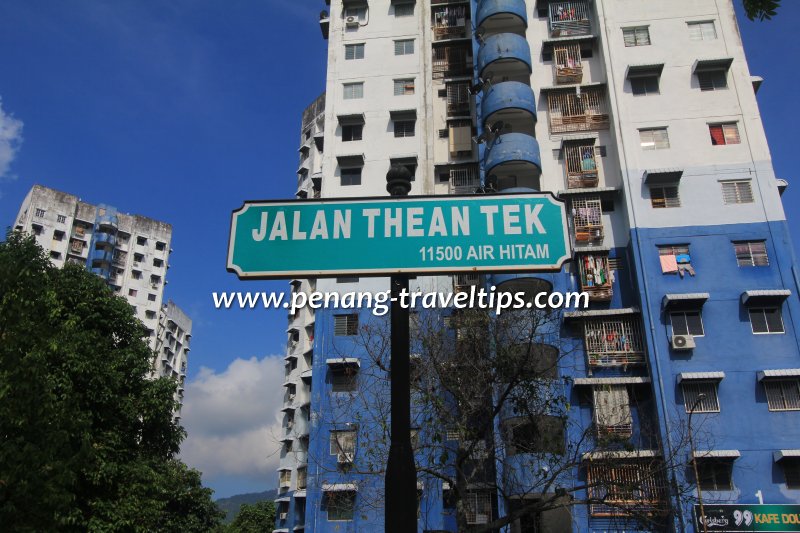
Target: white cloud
233, 421
10, 140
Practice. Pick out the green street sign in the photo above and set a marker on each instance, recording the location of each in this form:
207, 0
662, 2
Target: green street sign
410, 234
734, 518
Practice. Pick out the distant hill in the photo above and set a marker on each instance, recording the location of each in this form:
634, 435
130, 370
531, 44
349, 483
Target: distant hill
231, 505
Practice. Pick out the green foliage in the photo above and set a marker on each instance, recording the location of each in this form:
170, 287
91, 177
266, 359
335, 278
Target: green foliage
254, 518
87, 441
761, 9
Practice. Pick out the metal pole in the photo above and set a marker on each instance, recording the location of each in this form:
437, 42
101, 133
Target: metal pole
401, 476
700, 397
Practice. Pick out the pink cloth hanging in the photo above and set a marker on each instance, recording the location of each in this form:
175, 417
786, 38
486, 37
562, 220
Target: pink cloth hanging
669, 265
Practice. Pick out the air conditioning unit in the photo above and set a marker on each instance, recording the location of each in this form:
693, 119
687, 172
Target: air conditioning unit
351, 22
344, 458
682, 342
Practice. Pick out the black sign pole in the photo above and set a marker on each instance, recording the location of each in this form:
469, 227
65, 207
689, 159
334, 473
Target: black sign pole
401, 476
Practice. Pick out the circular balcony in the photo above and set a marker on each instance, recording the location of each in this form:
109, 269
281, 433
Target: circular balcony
529, 284
514, 161
101, 257
502, 16
105, 239
505, 57
513, 103
108, 223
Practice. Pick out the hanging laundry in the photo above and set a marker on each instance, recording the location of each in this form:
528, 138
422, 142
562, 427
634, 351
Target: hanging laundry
669, 265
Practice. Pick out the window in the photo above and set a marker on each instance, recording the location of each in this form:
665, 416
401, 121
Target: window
410, 163
345, 325
712, 80
687, 323
783, 394
751, 253
692, 391
612, 411
340, 505
352, 132
141, 241
132, 292
351, 176
715, 474
136, 274
61, 219
58, 235
664, 197
343, 441
675, 260
404, 127
161, 246
478, 507
40, 212
158, 263
404, 87
722, 134
353, 91
55, 255
404, 47
150, 314
737, 192
791, 471
540, 434
354, 51
357, 12
638, 36
404, 10
654, 138
644, 85
702, 31
151, 297
766, 320
344, 378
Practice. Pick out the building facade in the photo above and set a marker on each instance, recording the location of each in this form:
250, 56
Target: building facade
641, 116
130, 252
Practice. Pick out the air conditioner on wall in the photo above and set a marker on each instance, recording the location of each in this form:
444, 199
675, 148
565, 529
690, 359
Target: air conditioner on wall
351, 22
682, 342
344, 458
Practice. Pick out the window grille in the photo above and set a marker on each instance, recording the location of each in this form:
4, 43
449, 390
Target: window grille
766, 320
614, 342
783, 394
702, 31
664, 197
345, 325
692, 391
751, 253
638, 36
737, 192
723, 134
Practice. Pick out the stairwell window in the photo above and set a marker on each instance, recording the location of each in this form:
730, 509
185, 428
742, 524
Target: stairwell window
766, 320
354, 51
353, 91
712, 80
783, 394
404, 87
404, 47
702, 31
693, 389
751, 253
636, 36
737, 192
724, 134
345, 325
663, 197
687, 323
654, 138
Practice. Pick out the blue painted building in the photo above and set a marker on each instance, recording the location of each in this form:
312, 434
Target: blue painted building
679, 383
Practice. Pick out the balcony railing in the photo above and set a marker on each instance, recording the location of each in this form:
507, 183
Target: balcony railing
621, 488
617, 432
587, 217
594, 277
582, 162
458, 100
302, 479
572, 111
614, 342
450, 22
462, 282
567, 65
452, 61
464, 180
569, 18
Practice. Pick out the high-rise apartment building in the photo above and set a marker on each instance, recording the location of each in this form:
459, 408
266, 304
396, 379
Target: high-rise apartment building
130, 252
642, 116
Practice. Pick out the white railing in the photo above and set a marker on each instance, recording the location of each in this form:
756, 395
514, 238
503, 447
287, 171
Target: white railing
569, 18
464, 180
573, 111
582, 164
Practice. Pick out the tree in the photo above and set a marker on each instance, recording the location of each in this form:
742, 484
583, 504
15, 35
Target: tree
761, 9
88, 442
253, 518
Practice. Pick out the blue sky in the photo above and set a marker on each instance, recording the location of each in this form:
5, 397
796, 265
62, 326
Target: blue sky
180, 110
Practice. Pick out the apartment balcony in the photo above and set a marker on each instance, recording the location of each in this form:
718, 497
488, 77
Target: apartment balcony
621, 486
514, 160
464, 282
513, 103
502, 16
105, 239
505, 57
458, 100
464, 179
567, 63
452, 61
571, 110
450, 22
101, 257
582, 165
612, 342
595, 278
107, 223
569, 19
587, 219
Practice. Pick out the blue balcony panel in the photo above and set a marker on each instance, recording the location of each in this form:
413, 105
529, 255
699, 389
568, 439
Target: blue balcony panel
514, 161
105, 238
502, 16
505, 57
513, 103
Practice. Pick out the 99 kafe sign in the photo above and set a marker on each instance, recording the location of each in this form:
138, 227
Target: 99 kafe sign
413, 234
737, 518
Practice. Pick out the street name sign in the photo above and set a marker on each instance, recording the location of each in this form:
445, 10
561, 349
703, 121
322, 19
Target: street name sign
735, 518
409, 234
